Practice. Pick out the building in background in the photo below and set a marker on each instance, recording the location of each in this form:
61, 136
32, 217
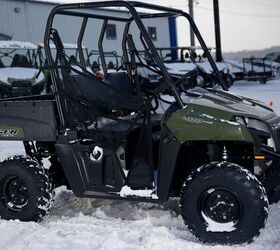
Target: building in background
25, 20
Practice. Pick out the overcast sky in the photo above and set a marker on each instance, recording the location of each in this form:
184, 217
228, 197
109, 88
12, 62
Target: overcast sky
245, 24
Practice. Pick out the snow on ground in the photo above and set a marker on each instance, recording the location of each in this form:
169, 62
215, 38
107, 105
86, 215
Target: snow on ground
263, 92
76, 223
79, 223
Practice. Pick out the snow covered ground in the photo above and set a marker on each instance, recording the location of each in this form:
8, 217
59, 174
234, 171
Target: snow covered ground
83, 224
264, 92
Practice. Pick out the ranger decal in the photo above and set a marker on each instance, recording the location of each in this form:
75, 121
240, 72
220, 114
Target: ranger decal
9, 132
196, 120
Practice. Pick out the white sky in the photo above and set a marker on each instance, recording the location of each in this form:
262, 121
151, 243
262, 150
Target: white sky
245, 24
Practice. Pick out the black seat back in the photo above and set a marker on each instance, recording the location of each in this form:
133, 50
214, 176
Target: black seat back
24, 62
121, 82
16, 60
106, 96
20, 61
111, 65
95, 66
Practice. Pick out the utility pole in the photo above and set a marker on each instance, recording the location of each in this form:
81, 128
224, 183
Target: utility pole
191, 30
219, 57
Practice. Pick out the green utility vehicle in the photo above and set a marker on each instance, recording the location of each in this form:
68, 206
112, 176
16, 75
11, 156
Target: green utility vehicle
104, 138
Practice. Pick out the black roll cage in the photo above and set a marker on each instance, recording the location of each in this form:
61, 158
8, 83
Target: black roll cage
130, 6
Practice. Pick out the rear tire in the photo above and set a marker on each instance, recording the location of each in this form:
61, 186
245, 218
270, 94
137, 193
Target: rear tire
224, 203
24, 190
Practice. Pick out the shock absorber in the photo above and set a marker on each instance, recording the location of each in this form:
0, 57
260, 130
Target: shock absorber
225, 153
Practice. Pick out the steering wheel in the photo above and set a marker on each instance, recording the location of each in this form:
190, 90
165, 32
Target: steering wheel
121, 67
155, 107
183, 83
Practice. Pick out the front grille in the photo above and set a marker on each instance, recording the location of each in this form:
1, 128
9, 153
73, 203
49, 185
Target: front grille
21, 84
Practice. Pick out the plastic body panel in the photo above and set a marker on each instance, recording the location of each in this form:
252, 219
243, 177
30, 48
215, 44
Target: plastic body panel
28, 120
169, 151
86, 175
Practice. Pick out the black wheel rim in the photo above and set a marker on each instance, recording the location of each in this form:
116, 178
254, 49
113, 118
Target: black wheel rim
14, 193
221, 205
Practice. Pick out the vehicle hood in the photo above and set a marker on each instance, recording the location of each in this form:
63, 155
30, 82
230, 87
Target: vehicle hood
226, 105
222, 67
8, 75
181, 68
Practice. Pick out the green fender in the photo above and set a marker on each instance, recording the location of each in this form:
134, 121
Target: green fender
200, 123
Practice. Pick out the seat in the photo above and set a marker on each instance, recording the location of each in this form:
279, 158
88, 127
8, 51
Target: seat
20, 61
112, 132
95, 66
109, 132
16, 60
121, 81
73, 60
24, 62
88, 102
112, 94
111, 65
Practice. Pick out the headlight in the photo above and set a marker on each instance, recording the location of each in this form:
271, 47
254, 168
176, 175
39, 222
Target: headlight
258, 125
240, 120
253, 124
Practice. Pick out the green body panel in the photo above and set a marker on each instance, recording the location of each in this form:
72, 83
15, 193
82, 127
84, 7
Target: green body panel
210, 118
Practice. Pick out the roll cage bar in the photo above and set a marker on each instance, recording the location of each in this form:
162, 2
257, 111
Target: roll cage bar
130, 6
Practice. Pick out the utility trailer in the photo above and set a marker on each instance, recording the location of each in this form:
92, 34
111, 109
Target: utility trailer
257, 69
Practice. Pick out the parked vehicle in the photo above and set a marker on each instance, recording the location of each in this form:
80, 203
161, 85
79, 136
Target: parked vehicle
113, 59
180, 60
257, 69
217, 151
19, 73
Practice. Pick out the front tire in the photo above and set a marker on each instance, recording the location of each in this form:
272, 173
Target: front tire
224, 203
24, 190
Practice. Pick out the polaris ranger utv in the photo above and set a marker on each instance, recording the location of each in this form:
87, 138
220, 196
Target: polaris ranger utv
217, 151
